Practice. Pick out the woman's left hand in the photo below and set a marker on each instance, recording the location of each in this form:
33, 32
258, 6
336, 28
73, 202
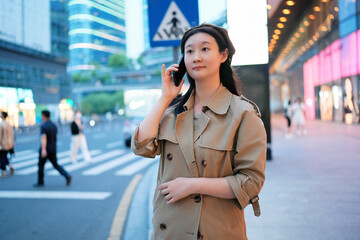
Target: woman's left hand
176, 189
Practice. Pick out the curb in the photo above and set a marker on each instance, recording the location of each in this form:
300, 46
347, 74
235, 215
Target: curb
138, 223
121, 212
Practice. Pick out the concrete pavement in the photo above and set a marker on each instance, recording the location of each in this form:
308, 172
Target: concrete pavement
312, 187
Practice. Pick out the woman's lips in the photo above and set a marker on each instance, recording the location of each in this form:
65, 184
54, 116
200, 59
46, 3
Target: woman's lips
198, 67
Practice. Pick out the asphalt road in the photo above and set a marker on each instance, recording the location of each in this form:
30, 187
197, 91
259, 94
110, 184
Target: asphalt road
85, 209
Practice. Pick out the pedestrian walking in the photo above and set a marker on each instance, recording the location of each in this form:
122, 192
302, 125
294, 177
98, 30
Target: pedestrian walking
47, 149
288, 113
78, 139
298, 113
6, 144
211, 141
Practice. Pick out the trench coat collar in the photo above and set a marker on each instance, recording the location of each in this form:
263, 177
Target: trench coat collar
219, 103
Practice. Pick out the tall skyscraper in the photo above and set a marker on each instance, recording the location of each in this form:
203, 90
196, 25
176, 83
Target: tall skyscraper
96, 31
59, 29
32, 73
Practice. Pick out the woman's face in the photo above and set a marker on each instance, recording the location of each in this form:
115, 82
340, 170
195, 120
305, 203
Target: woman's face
202, 57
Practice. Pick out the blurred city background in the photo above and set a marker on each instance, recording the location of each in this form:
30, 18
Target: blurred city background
96, 56
104, 57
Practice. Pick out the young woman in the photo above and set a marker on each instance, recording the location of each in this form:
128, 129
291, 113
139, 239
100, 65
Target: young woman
212, 144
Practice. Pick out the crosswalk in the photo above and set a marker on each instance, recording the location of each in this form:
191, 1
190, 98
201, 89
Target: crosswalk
122, 161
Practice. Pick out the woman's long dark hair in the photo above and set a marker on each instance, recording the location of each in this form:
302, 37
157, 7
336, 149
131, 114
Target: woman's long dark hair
227, 75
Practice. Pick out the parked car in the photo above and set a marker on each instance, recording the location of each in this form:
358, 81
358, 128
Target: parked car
130, 125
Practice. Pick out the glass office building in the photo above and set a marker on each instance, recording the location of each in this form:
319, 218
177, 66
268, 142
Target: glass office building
96, 31
32, 78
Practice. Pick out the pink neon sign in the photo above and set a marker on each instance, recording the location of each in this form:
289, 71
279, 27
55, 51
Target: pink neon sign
348, 55
339, 60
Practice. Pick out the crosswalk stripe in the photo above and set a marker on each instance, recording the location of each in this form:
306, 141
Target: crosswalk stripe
19, 159
36, 155
22, 153
103, 157
35, 161
49, 165
25, 163
135, 167
55, 195
114, 144
109, 165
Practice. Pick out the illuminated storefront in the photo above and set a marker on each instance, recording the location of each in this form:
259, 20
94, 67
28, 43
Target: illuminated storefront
321, 61
19, 104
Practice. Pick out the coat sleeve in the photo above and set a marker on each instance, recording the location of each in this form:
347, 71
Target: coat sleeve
249, 160
148, 147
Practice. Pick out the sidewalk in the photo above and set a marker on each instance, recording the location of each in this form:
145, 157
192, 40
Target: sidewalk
312, 187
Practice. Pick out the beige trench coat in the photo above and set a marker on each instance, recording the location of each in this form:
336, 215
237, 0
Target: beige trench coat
231, 143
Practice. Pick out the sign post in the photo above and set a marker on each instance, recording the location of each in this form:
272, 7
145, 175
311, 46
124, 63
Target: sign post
169, 20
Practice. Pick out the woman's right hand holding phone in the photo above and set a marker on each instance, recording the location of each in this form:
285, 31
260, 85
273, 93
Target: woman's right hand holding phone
169, 90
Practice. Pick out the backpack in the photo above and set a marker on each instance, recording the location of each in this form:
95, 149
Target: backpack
74, 128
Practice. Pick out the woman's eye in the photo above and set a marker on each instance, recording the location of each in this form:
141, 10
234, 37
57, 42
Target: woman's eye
189, 51
205, 49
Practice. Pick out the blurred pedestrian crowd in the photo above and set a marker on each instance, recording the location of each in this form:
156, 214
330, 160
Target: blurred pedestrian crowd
295, 116
47, 149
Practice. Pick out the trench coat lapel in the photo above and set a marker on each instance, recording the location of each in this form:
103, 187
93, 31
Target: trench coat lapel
184, 128
203, 121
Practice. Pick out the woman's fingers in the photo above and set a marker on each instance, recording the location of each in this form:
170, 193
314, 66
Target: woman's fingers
165, 191
172, 200
168, 71
168, 197
162, 186
163, 70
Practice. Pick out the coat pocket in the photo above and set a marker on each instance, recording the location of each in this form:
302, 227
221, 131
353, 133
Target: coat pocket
220, 143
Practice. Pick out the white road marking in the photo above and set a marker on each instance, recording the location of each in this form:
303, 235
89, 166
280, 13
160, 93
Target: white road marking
35, 161
48, 165
111, 164
97, 159
114, 144
19, 159
36, 155
22, 153
55, 195
135, 167
122, 210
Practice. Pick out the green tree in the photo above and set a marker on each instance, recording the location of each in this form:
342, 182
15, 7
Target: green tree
118, 60
101, 103
118, 98
81, 77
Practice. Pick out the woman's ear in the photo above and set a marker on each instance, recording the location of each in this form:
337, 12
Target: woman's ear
224, 55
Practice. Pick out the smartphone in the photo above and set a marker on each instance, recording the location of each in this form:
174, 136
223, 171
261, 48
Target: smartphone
178, 76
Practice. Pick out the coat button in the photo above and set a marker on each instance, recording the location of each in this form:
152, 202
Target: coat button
162, 226
203, 162
169, 156
197, 198
200, 235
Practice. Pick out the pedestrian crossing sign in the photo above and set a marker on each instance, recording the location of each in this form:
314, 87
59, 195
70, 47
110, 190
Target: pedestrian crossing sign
169, 20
